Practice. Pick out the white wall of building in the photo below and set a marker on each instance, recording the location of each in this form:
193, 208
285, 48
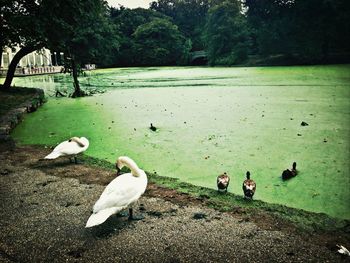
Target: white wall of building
35, 59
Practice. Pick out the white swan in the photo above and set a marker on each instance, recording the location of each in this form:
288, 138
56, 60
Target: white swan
343, 250
73, 146
120, 193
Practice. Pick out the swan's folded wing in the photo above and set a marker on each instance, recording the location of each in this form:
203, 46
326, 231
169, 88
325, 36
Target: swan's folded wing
68, 148
57, 151
121, 192
100, 217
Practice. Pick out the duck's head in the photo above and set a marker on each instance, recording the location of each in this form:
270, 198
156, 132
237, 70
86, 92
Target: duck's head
294, 165
248, 175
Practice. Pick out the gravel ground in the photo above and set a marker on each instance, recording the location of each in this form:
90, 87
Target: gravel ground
45, 205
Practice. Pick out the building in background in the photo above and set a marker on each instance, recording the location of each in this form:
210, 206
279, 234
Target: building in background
38, 62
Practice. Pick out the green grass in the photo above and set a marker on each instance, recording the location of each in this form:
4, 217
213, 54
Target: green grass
230, 202
13, 97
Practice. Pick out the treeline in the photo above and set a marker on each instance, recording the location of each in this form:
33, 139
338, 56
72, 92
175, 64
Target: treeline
230, 32
233, 32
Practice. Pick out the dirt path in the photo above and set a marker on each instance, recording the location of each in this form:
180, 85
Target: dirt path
44, 207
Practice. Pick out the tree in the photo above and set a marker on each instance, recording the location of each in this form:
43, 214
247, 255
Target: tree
126, 22
188, 15
323, 28
20, 26
82, 31
226, 34
307, 31
272, 24
79, 28
159, 42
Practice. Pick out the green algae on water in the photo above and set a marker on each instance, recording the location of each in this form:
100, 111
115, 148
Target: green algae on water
215, 120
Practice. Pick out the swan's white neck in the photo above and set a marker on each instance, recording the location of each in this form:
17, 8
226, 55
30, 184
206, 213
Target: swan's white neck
126, 161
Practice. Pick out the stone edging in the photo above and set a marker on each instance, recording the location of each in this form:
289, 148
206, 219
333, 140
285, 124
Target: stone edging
10, 120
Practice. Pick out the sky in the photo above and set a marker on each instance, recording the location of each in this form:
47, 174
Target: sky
130, 3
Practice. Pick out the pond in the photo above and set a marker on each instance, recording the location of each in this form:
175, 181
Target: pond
214, 120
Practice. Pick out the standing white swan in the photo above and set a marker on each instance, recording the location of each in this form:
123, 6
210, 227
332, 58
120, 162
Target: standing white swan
120, 193
73, 146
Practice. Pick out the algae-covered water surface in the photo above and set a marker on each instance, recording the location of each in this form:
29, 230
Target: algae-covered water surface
214, 120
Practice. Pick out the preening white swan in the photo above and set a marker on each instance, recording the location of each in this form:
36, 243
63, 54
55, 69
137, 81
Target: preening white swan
343, 250
120, 193
73, 146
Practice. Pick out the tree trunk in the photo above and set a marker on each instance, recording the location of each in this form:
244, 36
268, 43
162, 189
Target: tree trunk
77, 91
14, 62
325, 49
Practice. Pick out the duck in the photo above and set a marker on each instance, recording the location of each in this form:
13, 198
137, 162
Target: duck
222, 182
152, 128
71, 147
249, 187
287, 174
120, 193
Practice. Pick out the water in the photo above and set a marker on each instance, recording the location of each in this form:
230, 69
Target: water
214, 120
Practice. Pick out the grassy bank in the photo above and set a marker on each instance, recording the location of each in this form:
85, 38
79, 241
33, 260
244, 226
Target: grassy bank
229, 202
11, 98
220, 119
215, 120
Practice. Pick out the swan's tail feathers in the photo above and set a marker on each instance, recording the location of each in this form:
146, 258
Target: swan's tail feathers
101, 216
53, 155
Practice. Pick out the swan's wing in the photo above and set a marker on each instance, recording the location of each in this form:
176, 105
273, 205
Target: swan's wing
101, 216
68, 148
57, 151
121, 192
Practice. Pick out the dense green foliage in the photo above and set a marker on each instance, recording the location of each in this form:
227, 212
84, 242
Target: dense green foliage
310, 31
147, 38
83, 32
81, 29
188, 15
254, 31
126, 22
159, 42
226, 34
15, 18
229, 31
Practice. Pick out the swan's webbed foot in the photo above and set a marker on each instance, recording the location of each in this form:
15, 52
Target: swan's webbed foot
132, 217
136, 218
122, 214
118, 170
75, 160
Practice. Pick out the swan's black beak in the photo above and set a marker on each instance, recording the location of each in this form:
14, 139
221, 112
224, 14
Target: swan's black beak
118, 170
